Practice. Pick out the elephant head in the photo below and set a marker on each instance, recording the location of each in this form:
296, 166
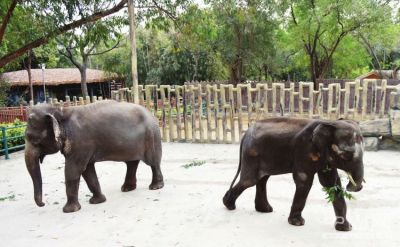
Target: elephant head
341, 144
43, 136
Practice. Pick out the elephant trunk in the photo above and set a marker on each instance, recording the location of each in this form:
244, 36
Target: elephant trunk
357, 177
32, 164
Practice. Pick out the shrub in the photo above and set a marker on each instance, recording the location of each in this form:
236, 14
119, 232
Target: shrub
4, 87
18, 132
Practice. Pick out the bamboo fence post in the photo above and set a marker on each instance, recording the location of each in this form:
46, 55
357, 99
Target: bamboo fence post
364, 100
209, 106
217, 114
232, 113
200, 103
178, 96
186, 98
291, 99
239, 90
193, 112
383, 98
301, 95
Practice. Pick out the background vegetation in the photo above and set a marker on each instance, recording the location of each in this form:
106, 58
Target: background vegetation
17, 134
233, 40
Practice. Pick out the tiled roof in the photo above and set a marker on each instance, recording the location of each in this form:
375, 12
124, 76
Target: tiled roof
54, 77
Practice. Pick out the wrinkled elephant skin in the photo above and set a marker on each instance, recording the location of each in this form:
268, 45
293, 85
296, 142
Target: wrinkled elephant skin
101, 131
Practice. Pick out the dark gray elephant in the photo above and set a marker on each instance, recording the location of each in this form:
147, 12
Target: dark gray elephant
102, 131
305, 148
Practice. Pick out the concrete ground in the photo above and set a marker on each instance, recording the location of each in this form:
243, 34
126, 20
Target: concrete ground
188, 211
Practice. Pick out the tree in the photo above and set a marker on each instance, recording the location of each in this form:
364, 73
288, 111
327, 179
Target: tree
381, 50
319, 27
246, 30
53, 21
83, 42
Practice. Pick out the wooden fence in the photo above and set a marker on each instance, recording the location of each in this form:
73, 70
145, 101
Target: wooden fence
221, 113
10, 114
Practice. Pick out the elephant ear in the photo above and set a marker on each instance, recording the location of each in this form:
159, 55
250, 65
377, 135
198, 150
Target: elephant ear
322, 136
55, 128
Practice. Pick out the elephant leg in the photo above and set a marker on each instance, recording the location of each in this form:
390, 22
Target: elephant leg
73, 172
330, 179
92, 182
130, 178
230, 197
303, 185
157, 181
261, 201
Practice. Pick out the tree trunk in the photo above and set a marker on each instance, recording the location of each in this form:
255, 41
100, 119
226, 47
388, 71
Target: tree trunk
236, 71
132, 36
314, 70
28, 67
195, 65
83, 83
82, 70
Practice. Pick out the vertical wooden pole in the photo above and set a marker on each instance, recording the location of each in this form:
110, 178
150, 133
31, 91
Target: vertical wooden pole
132, 39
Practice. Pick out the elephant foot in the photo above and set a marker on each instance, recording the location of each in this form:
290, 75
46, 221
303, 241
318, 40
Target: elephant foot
71, 207
156, 185
97, 199
128, 187
264, 207
228, 202
296, 220
342, 224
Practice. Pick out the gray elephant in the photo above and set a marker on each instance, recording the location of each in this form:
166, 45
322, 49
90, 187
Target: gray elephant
305, 148
103, 131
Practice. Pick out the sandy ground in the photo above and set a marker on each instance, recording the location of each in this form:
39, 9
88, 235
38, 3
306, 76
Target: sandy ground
188, 211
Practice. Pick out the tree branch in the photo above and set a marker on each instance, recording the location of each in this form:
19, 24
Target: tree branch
45, 39
70, 56
169, 14
292, 13
7, 18
102, 52
371, 51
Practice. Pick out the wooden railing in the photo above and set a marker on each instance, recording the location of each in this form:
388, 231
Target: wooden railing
10, 114
221, 113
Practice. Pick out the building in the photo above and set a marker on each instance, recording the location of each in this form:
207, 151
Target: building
381, 74
58, 83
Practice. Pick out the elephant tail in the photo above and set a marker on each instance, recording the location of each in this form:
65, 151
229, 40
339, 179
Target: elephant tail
239, 167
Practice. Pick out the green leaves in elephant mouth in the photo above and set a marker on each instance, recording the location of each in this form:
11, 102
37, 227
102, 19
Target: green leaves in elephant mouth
334, 191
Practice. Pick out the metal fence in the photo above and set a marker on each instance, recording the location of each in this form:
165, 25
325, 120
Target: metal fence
11, 142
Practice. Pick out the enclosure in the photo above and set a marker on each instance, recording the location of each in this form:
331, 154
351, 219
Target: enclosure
188, 211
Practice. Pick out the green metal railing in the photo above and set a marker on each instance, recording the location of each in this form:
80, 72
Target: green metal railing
4, 140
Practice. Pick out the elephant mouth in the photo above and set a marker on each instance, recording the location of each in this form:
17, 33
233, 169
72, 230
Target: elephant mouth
350, 187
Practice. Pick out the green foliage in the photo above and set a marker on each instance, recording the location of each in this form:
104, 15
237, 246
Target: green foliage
10, 198
345, 66
4, 87
319, 28
333, 192
194, 163
15, 136
179, 41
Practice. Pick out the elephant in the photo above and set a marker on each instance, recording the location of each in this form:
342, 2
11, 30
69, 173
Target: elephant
303, 147
102, 131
